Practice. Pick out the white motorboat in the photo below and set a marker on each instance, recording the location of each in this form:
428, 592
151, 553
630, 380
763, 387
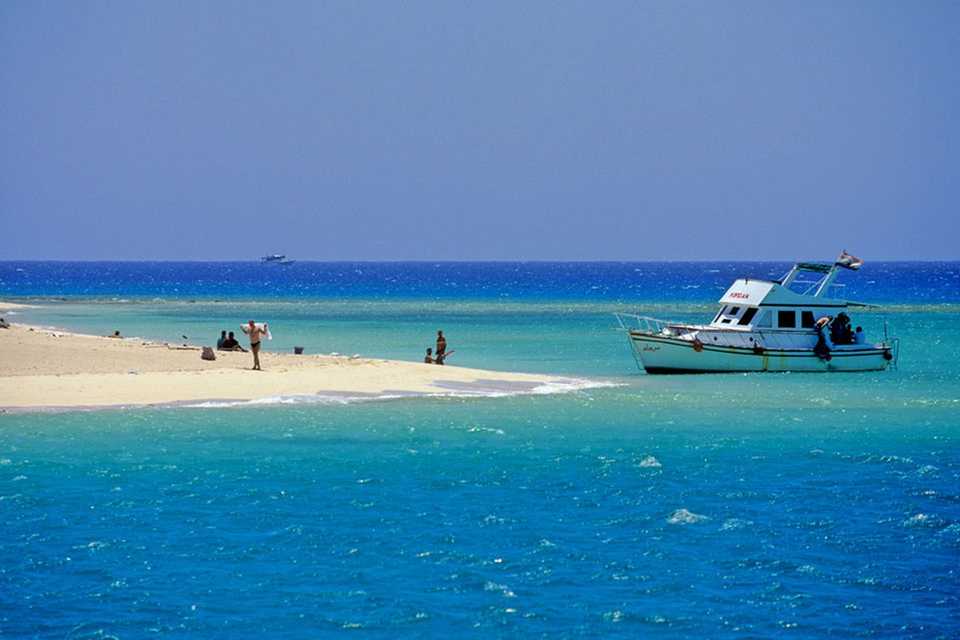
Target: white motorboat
276, 258
765, 325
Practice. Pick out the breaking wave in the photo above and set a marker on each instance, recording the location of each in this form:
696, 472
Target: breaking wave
478, 389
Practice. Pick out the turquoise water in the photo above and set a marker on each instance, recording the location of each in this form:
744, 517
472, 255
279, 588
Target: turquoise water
757, 505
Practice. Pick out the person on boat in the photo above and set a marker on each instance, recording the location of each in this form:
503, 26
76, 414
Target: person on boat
256, 334
223, 338
441, 344
859, 337
822, 348
230, 344
822, 323
836, 328
841, 332
428, 359
848, 335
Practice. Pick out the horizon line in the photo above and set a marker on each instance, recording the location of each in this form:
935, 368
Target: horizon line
423, 261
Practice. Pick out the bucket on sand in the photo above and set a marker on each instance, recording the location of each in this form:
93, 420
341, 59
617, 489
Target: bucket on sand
298, 351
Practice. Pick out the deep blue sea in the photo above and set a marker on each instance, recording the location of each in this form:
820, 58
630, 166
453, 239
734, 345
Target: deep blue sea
721, 506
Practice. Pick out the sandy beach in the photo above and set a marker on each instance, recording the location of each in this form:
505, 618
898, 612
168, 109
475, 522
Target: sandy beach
45, 368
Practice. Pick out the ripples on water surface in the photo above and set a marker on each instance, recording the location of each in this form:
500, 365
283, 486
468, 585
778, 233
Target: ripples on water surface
933, 282
719, 506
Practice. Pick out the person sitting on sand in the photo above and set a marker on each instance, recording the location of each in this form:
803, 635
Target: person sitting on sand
223, 338
230, 344
255, 334
4, 324
116, 334
428, 359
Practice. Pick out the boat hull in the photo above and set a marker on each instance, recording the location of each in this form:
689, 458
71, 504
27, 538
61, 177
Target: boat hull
660, 354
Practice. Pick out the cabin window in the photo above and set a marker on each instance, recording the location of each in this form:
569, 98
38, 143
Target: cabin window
748, 316
786, 319
727, 315
806, 319
766, 320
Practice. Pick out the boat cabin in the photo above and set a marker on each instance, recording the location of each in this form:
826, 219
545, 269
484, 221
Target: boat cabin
776, 304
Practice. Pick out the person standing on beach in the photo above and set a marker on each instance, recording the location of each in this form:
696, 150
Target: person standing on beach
441, 344
256, 334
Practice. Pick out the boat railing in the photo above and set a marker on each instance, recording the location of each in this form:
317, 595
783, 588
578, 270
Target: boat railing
892, 345
646, 324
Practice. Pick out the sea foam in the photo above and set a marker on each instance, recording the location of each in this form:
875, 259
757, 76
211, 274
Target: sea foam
682, 516
477, 389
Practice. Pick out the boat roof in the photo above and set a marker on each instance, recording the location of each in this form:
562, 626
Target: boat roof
757, 293
816, 267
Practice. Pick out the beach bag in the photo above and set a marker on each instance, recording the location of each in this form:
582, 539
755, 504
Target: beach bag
208, 354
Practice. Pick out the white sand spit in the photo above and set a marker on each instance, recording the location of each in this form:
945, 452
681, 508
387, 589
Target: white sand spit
41, 368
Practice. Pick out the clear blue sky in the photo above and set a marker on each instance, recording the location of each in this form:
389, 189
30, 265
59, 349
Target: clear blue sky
458, 131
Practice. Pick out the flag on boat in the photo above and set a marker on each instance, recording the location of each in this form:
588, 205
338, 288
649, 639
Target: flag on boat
848, 261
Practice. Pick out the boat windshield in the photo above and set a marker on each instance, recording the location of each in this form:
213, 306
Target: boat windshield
734, 314
747, 316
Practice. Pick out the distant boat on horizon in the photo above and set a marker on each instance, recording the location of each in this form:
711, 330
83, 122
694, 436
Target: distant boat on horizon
276, 258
